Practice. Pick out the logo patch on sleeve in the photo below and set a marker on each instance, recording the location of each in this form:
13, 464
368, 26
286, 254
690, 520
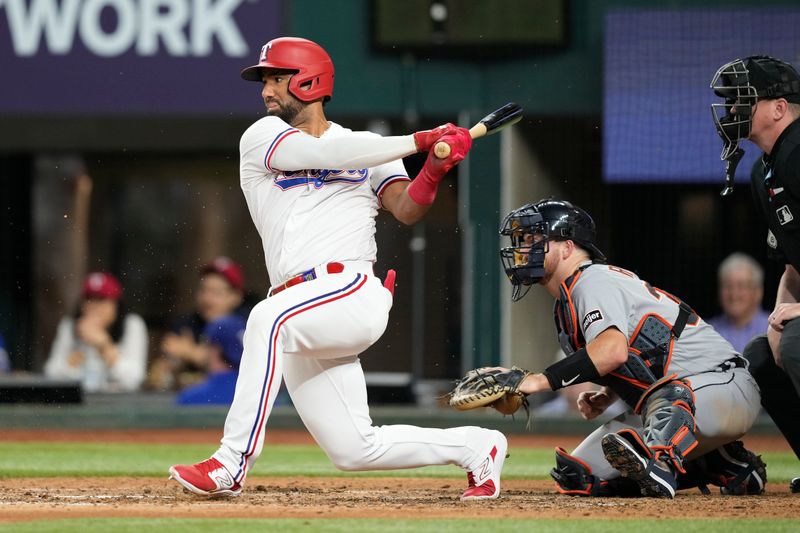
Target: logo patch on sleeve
591, 317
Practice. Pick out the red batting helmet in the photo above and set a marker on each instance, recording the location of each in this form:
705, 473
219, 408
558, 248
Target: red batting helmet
310, 60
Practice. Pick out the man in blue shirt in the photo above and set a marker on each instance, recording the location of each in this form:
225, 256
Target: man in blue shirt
741, 289
223, 344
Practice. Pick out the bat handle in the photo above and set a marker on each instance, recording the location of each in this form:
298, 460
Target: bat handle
442, 150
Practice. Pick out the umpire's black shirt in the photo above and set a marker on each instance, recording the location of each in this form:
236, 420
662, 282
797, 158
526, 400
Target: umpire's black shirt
775, 181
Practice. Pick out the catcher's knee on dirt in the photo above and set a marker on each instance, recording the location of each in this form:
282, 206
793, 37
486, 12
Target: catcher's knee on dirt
667, 408
574, 478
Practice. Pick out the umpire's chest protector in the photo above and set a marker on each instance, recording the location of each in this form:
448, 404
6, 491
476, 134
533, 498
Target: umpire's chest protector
775, 183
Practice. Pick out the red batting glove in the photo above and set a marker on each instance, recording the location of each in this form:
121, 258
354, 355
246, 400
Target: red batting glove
423, 189
427, 138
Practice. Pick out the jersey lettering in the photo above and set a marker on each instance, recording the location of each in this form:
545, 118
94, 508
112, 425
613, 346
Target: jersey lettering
652, 290
320, 177
621, 271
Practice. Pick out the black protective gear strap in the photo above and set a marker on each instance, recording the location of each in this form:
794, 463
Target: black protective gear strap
573, 369
685, 311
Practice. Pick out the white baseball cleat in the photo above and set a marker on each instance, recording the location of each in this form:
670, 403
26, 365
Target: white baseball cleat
484, 481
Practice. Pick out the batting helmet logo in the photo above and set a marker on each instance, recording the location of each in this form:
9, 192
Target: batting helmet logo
313, 78
264, 49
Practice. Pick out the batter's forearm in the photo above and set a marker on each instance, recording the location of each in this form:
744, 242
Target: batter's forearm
300, 151
408, 211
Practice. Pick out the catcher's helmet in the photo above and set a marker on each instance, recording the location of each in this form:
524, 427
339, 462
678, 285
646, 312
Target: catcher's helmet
743, 82
553, 219
311, 62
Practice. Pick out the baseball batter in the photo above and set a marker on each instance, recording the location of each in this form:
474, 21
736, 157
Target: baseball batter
313, 189
689, 395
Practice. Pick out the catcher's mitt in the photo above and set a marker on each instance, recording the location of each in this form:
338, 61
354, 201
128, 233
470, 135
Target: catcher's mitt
490, 388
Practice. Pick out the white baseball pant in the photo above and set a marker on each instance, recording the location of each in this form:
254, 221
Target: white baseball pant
311, 334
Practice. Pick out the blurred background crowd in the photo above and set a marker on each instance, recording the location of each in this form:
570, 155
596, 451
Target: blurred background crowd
130, 259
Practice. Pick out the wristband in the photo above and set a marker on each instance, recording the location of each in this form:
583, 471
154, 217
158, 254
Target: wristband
575, 368
422, 189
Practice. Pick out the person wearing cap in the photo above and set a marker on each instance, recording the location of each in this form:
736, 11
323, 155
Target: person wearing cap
222, 342
220, 292
762, 104
314, 189
101, 345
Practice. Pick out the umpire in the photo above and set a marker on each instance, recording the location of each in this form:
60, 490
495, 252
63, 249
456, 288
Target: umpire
762, 104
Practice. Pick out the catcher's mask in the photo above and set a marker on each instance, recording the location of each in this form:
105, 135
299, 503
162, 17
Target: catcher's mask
531, 227
742, 83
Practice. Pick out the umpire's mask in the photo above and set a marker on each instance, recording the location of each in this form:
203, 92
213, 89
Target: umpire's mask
734, 117
742, 83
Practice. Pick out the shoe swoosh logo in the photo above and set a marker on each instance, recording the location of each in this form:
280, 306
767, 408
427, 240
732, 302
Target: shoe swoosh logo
570, 382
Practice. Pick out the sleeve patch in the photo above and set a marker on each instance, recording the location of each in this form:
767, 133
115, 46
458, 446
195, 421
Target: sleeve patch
591, 317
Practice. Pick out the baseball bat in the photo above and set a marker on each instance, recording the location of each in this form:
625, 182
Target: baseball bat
498, 119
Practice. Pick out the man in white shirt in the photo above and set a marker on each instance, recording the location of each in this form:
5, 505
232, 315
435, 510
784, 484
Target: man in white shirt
313, 189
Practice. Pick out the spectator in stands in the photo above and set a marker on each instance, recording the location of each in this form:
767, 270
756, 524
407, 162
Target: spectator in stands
220, 292
222, 344
741, 289
101, 344
5, 362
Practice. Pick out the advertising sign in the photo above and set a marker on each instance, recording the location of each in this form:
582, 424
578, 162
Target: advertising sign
122, 57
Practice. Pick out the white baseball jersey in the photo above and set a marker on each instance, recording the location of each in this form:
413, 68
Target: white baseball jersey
311, 215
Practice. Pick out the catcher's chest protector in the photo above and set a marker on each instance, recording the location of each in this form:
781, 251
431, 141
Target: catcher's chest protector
649, 349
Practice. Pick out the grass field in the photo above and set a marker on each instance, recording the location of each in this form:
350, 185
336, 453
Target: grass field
63, 460
46, 459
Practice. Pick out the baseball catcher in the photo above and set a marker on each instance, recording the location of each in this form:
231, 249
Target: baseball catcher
648, 349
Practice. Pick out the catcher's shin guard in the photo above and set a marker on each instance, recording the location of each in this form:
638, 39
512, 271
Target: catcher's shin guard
574, 478
667, 408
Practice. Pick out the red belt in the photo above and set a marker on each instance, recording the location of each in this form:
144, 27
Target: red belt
308, 275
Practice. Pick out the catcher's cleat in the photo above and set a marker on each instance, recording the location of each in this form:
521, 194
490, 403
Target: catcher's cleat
484, 481
207, 478
736, 470
574, 477
654, 477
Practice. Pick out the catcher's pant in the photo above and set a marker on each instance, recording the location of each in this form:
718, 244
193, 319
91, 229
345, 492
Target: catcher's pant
726, 402
310, 335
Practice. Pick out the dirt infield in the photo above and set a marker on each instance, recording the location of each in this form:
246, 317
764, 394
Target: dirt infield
356, 497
